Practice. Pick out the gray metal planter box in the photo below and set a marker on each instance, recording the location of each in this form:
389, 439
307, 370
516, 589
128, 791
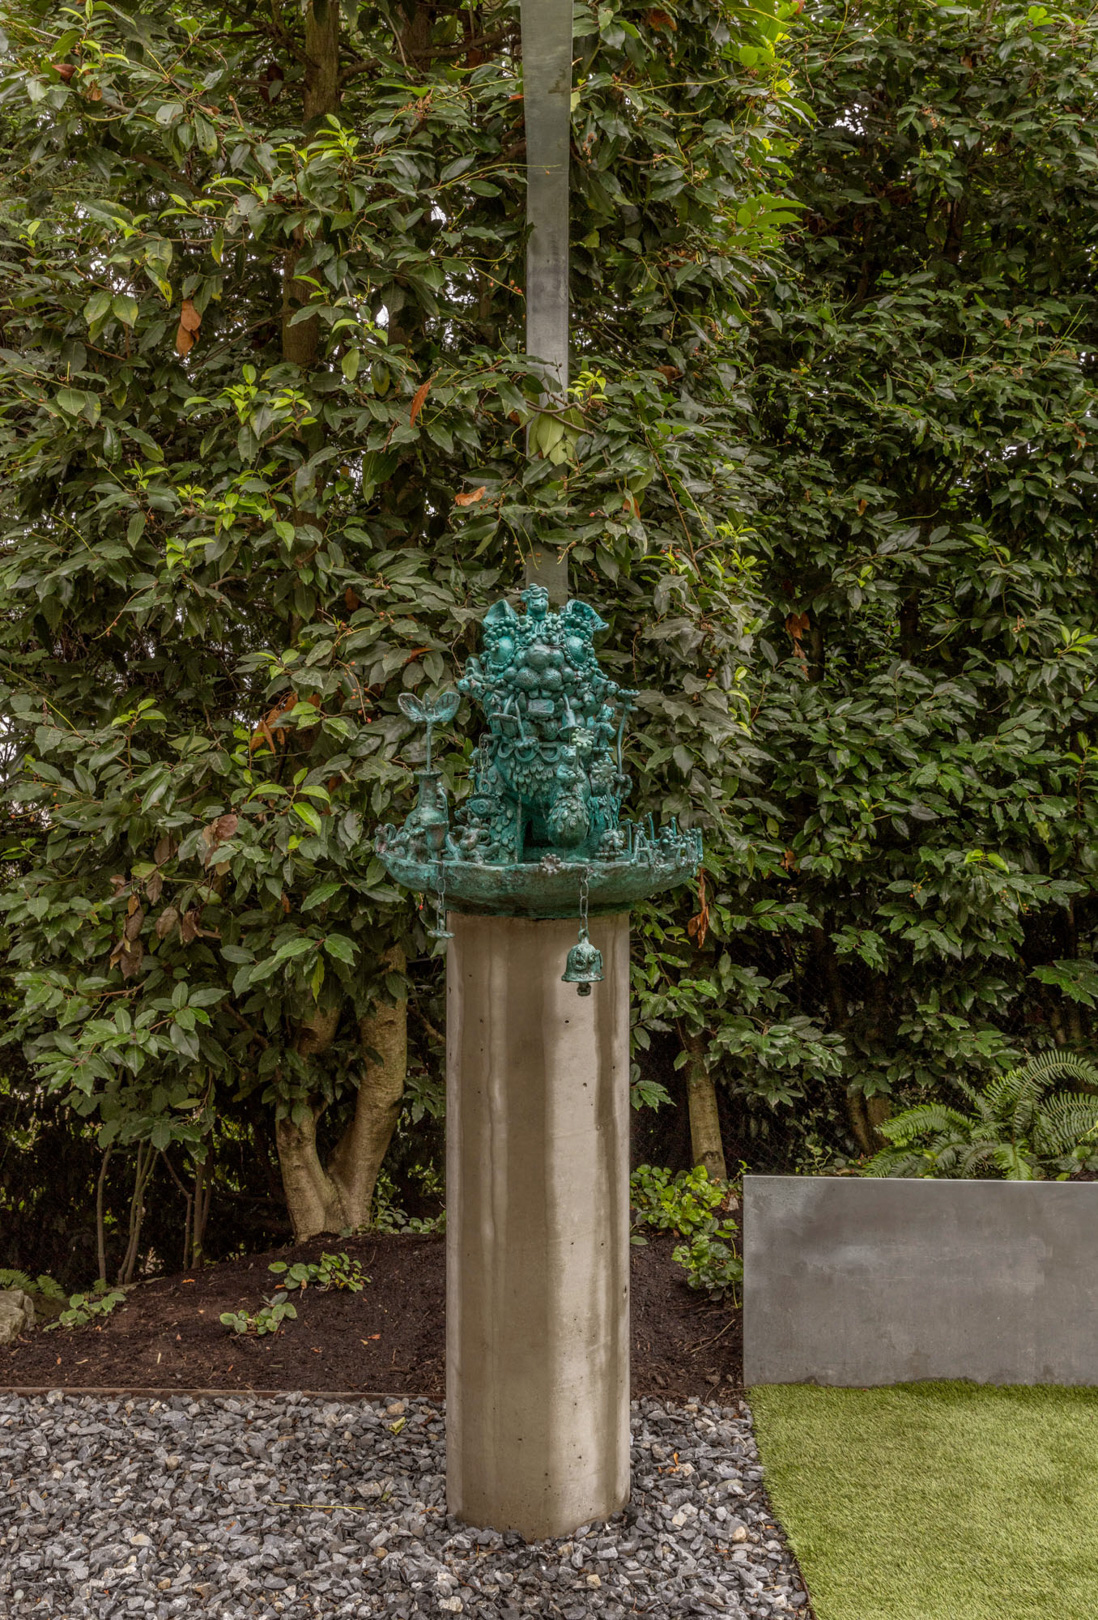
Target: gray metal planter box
854, 1281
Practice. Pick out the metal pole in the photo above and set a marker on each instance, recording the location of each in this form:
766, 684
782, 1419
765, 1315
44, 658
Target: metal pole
547, 103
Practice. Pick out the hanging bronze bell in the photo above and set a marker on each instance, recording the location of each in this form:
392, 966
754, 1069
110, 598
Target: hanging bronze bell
584, 966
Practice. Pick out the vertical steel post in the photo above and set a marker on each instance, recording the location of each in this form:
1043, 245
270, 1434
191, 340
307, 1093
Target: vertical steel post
547, 104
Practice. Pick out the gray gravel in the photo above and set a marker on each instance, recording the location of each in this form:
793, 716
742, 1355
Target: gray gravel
237, 1507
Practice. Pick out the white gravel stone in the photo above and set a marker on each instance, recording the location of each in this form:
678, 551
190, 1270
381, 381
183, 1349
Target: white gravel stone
293, 1508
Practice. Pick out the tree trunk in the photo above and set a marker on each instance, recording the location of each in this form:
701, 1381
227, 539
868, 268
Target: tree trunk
300, 342
146, 1160
322, 53
203, 1189
858, 1116
357, 1159
706, 1146
328, 1198
100, 1216
312, 1197
864, 1114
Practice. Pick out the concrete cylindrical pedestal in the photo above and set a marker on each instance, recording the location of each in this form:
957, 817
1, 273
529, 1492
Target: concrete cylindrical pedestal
537, 1227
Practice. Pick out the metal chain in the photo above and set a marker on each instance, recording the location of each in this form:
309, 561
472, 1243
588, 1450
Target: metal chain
584, 887
440, 930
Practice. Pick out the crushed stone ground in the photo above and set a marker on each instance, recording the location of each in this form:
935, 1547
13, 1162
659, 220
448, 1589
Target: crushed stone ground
235, 1507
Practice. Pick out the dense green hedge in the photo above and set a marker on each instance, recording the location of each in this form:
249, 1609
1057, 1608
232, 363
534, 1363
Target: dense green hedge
834, 495
919, 822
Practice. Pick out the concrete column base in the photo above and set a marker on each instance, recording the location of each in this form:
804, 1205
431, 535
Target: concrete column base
537, 1227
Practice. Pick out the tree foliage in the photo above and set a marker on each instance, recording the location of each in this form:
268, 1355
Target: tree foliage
262, 424
916, 800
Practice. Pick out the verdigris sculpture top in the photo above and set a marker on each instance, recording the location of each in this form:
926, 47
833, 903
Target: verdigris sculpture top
540, 834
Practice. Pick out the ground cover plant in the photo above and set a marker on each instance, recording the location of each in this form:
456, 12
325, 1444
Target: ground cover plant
391, 1336
698, 1210
330, 1271
267, 1318
932, 1501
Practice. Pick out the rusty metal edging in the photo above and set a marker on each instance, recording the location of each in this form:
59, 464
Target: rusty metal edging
155, 1393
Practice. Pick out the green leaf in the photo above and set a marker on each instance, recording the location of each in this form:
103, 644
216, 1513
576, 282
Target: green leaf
308, 815
97, 306
295, 947
322, 892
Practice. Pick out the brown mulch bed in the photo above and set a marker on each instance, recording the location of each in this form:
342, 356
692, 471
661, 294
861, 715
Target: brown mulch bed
389, 1338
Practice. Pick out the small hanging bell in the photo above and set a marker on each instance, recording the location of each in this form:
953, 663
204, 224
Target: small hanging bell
584, 966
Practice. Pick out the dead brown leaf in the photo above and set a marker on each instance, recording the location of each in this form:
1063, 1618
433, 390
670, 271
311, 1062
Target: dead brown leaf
189, 322
417, 400
219, 831
128, 955
471, 497
698, 926
264, 733
797, 624
167, 920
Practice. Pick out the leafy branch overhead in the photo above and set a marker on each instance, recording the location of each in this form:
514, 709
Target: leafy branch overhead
262, 422
826, 468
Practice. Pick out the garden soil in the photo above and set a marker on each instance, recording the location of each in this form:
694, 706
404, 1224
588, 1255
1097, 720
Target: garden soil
390, 1338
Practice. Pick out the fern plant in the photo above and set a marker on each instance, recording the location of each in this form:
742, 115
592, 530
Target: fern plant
1018, 1128
43, 1285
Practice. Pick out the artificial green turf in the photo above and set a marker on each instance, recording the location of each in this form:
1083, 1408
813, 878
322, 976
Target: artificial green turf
937, 1501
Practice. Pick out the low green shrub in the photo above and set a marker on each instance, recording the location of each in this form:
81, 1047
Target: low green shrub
330, 1271
1017, 1128
268, 1319
389, 1217
85, 1308
79, 1309
698, 1209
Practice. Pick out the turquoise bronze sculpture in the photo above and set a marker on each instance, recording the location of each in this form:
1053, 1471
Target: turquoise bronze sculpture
540, 834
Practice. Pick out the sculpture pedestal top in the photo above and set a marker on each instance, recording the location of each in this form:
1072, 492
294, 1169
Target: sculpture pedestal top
541, 834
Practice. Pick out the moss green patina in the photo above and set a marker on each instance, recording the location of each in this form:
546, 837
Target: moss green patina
541, 832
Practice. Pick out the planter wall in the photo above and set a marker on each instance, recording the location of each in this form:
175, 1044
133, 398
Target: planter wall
853, 1281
